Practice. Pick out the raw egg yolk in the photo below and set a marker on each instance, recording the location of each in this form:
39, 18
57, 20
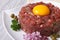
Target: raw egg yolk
41, 10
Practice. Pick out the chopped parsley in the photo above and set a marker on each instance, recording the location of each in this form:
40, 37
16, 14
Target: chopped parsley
15, 25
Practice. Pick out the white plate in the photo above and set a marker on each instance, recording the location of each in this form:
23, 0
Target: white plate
7, 21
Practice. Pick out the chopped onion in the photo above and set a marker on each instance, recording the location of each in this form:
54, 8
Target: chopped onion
35, 36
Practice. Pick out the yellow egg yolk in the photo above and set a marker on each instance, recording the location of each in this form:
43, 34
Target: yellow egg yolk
41, 10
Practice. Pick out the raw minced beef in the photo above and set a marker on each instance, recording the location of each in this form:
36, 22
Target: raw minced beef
46, 25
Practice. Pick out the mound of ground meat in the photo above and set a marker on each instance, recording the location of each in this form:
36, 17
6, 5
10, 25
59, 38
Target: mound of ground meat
46, 25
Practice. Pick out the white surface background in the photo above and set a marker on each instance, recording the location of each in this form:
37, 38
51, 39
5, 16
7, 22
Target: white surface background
9, 4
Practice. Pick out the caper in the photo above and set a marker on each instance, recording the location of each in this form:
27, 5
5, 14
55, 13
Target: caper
53, 37
12, 15
15, 17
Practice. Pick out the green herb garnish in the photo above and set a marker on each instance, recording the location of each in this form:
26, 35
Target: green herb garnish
14, 22
15, 25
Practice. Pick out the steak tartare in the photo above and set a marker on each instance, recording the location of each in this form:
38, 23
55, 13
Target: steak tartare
46, 25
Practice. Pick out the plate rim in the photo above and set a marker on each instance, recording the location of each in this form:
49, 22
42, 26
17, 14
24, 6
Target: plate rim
3, 24
15, 8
